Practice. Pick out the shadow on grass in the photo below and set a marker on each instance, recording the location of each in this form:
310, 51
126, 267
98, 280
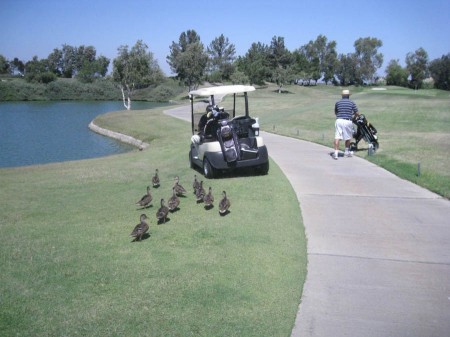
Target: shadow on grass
144, 237
282, 92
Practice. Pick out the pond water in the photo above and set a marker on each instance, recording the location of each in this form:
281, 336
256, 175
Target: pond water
44, 132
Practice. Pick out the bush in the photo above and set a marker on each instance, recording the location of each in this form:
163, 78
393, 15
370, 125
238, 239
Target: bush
215, 77
239, 77
45, 78
428, 83
21, 90
72, 89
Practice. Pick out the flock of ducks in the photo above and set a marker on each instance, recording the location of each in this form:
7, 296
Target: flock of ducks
174, 201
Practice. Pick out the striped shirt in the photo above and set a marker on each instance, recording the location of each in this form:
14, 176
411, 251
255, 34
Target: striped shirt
345, 108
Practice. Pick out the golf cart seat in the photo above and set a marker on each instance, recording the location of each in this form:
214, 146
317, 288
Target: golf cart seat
210, 130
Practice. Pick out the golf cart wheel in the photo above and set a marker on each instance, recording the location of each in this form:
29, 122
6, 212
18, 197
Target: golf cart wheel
353, 146
208, 170
263, 169
375, 146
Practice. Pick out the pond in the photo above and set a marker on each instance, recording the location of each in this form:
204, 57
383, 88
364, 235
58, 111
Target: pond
44, 132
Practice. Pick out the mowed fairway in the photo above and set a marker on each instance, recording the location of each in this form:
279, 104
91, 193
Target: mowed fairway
413, 126
69, 268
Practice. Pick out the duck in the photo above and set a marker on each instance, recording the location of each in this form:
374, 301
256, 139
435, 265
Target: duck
200, 192
173, 202
140, 229
195, 184
208, 199
146, 199
179, 190
161, 215
155, 179
224, 204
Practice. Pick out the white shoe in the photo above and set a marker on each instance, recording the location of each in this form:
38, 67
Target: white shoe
349, 154
335, 156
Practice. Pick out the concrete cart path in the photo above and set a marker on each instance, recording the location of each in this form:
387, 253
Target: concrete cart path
378, 246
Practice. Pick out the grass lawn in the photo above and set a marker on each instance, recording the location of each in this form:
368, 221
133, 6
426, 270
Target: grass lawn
413, 126
68, 267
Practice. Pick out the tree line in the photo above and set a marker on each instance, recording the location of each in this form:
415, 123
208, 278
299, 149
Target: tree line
192, 64
68, 62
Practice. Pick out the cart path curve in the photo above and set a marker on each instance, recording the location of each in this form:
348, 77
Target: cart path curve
378, 246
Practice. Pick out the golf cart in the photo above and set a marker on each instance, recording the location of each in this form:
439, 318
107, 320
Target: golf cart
225, 138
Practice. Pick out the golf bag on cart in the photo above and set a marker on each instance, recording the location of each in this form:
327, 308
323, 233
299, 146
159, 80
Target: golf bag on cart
228, 142
366, 131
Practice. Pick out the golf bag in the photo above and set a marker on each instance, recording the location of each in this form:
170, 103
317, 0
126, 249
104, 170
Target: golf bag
228, 142
366, 131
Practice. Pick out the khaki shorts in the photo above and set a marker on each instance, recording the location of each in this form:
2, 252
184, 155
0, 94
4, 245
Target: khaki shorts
343, 129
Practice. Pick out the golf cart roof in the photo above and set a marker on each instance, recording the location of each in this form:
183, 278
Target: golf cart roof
222, 90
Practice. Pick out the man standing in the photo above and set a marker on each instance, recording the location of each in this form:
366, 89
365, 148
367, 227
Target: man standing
344, 109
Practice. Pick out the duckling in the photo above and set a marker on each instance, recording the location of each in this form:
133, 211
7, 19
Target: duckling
196, 184
179, 190
224, 204
146, 199
208, 199
174, 201
155, 179
200, 192
161, 215
140, 229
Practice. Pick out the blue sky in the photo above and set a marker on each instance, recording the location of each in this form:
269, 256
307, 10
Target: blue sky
36, 27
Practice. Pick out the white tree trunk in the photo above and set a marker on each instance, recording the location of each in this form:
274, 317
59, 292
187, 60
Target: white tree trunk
127, 100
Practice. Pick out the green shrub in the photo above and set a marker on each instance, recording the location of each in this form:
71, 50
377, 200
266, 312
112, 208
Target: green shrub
44, 88
21, 90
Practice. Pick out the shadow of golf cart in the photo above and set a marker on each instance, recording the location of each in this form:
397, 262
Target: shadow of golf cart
225, 138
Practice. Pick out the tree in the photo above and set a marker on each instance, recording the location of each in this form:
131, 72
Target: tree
368, 58
84, 54
238, 77
280, 60
312, 70
68, 61
440, 72
188, 59
417, 65
102, 65
278, 55
38, 71
329, 62
321, 58
135, 68
17, 67
4, 65
80, 62
300, 65
92, 69
55, 61
255, 63
346, 69
281, 76
221, 56
396, 74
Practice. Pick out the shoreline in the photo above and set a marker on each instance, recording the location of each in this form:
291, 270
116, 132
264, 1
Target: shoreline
141, 145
